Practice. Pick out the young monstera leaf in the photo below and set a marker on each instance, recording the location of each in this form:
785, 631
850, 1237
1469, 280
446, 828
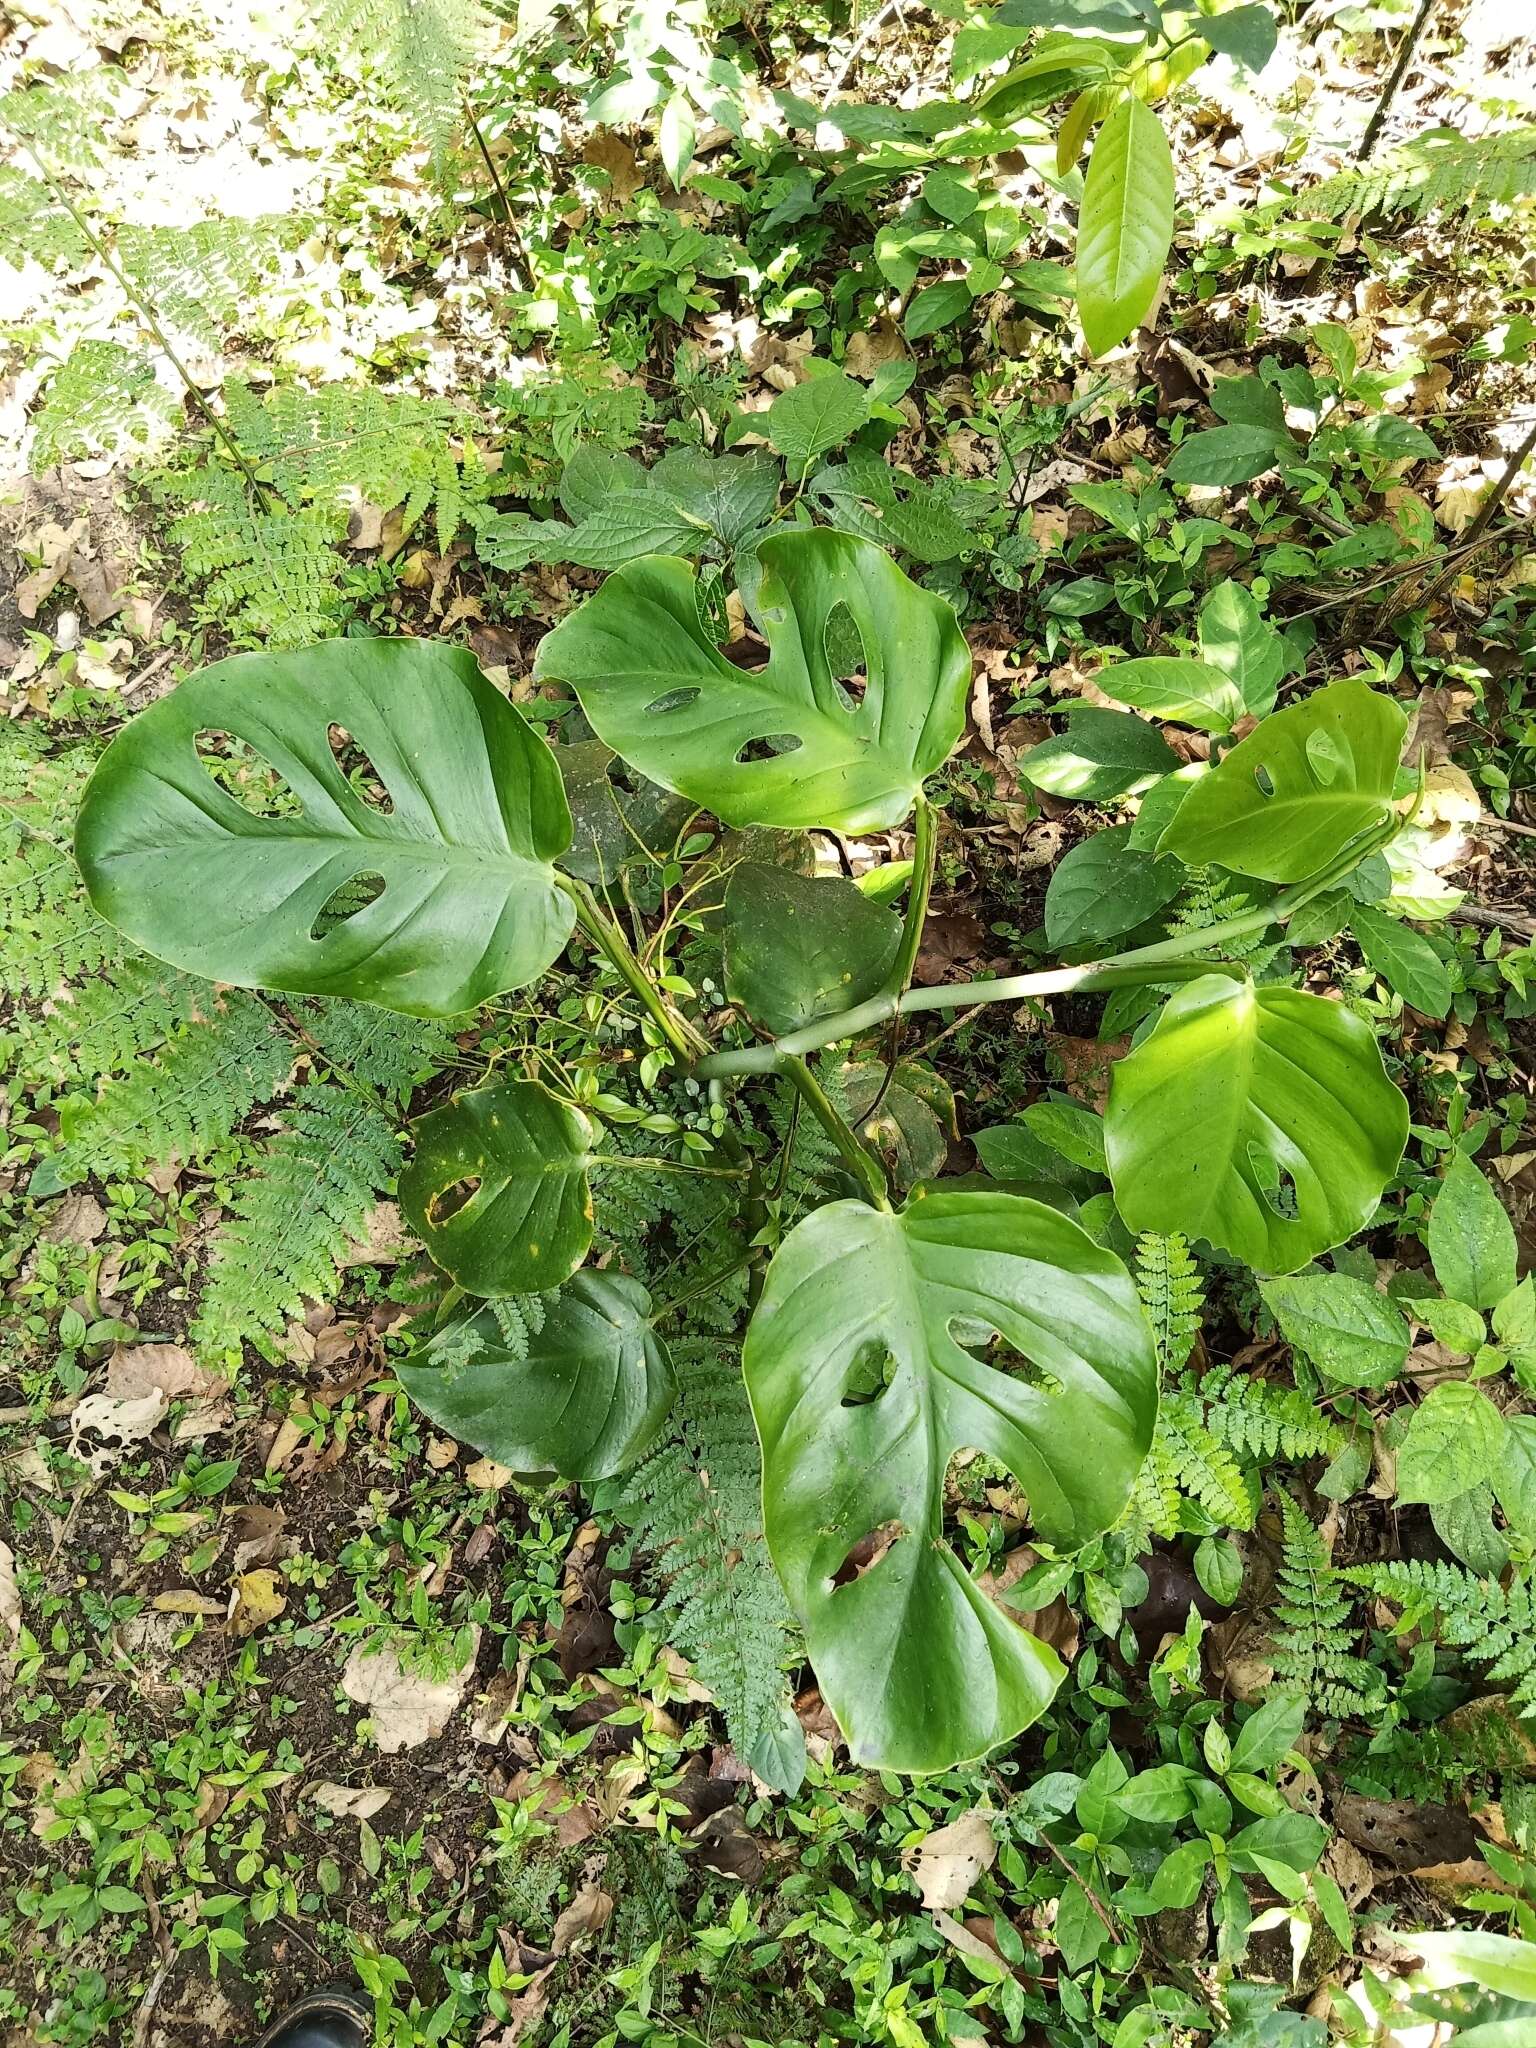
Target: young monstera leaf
870, 1362
794, 743
585, 1399
799, 946
1260, 1119
465, 903
498, 1188
1290, 797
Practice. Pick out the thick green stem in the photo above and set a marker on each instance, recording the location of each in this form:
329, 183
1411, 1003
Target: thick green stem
859, 1160
921, 887
605, 934
1167, 960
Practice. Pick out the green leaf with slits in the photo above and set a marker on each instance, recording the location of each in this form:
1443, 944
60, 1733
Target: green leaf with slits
497, 1190
585, 1401
870, 1363
790, 744
1260, 1119
463, 844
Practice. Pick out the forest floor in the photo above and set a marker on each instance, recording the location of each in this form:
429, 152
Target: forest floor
532, 1827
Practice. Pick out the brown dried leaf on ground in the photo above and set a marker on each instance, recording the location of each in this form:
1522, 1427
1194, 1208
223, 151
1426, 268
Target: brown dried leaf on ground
134, 1370
79, 1219
405, 1707
948, 1862
258, 1599
349, 1802
588, 1913
102, 1430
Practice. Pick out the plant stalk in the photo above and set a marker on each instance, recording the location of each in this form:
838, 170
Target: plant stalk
600, 928
920, 889
1166, 960
1405, 52
857, 1157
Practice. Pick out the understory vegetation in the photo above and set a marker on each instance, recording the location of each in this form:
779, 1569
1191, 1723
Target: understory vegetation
767, 1023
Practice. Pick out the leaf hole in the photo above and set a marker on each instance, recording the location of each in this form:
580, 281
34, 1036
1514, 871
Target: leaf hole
362, 777
256, 786
870, 1550
990, 1348
871, 1372
448, 1201
675, 700
347, 900
1264, 780
769, 746
843, 645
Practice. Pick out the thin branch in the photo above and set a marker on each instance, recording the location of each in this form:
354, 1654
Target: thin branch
1405, 52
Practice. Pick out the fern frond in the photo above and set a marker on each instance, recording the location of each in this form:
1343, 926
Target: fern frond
201, 280
1441, 172
1172, 1295
274, 577
695, 1506
35, 227
1261, 1421
1314, 1646
422, 51
102, 400
1493, 1626
191, 1096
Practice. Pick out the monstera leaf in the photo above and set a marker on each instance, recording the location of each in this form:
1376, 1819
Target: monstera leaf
464, 899
498, 1189
1260, 1119
797, 946
789, 744
868, 1366
585, 1400
1289, 798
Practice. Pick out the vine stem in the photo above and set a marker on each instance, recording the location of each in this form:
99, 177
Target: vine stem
610, 941
859, 1160
924, 853
1167, 960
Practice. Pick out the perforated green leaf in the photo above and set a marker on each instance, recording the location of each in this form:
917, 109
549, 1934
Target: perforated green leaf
869, 1365
1290, 797
1260, 1119
586, 1400
475, 816
497, 1190
786, 744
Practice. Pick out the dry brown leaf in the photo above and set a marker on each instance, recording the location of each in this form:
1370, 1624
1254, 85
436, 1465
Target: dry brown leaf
349, 1802
186, 1600
258, 1599
169, 1369
113, 1426
608, 152
588, 1913
79, 1219
405, 1708
385, 1240
948, 1862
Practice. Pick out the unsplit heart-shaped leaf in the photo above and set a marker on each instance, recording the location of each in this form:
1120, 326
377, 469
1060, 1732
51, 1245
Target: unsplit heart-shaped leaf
800, 946
866, 1363
497, 1190
795, 743
465, 905
1261, 1119
586, 1398
1288, 799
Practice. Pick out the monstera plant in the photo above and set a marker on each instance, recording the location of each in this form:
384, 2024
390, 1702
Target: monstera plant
887, 1336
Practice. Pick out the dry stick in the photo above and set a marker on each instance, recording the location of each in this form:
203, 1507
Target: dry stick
1477, 530
1394, 79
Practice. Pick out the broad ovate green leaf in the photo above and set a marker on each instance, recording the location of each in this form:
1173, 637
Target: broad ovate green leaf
1260, 1119
497, 1189
1351, 1332
790, 744
1455, 1438
584, 1400
472, 817
1288, 799
870, 1363
1471, 1239
800, 946
1175, 687
1125, 226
